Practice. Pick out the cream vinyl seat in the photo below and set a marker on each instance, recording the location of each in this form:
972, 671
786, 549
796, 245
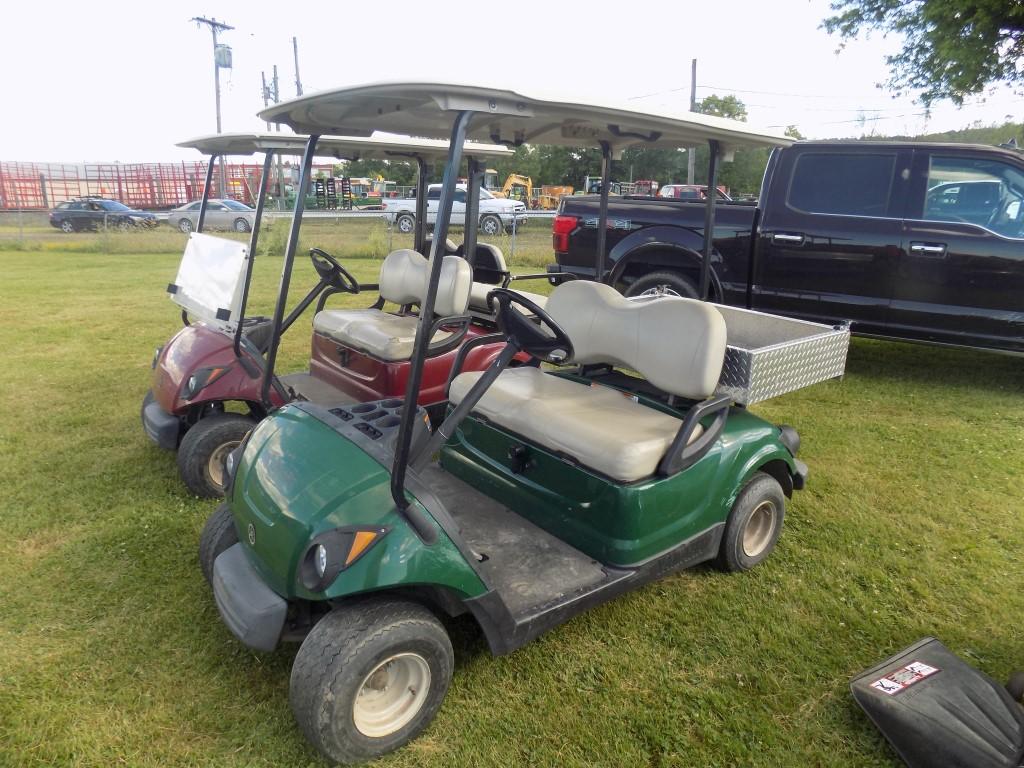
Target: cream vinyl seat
492, 256
403, 280
677, 344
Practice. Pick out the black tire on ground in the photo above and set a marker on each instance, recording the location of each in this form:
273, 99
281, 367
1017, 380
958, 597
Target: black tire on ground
185, 225
405, 223
218, 535
753, 525
241, 225
126, 225
670, 283
205, 447
372, 647
67, 226
490, 225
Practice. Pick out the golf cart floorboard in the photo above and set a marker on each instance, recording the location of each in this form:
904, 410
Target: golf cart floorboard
528, 566
315, 390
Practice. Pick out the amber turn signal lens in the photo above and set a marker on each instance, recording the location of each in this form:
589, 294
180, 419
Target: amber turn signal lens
362, 540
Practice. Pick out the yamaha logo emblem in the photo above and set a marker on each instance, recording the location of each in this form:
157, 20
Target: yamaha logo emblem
252, 535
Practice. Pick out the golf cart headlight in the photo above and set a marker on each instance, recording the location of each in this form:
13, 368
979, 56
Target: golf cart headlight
202, 378
332, 552
320, 560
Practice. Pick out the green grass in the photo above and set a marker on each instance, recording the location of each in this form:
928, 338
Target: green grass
111, 651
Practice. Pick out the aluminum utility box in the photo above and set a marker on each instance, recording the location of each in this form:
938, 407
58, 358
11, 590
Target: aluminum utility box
768, 355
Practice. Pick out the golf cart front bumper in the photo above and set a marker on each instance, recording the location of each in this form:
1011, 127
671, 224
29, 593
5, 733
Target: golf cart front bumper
253, 612
161, 427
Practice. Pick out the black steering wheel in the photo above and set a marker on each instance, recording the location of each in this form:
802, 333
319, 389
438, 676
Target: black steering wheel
331, 272
551, 347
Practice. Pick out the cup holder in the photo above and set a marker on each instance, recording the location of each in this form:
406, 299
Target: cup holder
374, 416
363, 408
392, 403
389, 421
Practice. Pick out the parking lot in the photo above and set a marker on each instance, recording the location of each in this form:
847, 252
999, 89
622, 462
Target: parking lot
112, 652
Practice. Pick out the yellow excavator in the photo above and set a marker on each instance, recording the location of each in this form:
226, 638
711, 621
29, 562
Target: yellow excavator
519, 187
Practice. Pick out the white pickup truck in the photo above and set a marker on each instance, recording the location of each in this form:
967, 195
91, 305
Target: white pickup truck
496, 213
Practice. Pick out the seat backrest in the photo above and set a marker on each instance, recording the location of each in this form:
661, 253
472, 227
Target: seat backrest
403, 280
676, 344
489, 265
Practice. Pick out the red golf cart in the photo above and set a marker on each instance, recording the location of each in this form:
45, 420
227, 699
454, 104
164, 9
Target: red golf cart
223, 358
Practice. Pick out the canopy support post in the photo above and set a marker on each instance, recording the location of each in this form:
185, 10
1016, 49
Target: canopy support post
206, 193
253, 240
286, 270
419, 351
715, 151
472, 225
420, 233
602, 216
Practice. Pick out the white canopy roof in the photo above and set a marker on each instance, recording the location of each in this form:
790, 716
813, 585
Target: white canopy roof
506, 116
381, 146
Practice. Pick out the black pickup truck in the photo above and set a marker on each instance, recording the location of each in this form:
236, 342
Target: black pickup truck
904, 240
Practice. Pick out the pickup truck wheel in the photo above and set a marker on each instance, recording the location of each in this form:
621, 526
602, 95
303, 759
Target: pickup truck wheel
753, 525
663, 284
405, 223
218, 535
370, 677
490, 225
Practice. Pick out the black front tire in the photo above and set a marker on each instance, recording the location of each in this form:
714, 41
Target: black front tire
205, 447
753, 525
218, 535
405, 223
342, 658
490, 225
667, 283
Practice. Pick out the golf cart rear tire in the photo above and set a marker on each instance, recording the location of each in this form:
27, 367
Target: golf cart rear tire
199, 446
218, 535
336, 660
241, 225
742, 548
185, 226
672, 283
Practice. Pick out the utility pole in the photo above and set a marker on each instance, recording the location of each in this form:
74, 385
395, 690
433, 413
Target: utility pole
691, 153
215, 27
298, 81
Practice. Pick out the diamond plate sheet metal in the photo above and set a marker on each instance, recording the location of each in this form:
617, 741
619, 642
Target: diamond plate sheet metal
752, 375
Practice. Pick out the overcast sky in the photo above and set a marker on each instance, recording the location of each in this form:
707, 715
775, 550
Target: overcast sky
126, 80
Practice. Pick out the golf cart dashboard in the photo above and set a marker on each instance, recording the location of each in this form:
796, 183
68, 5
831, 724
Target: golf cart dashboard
372, 426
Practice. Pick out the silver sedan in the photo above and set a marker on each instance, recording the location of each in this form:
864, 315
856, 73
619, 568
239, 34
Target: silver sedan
220, 214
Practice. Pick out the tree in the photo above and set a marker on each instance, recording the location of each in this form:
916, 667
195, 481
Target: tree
951, 50
723, 106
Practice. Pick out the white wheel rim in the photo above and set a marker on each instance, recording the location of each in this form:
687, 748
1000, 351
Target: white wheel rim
759, 529
391, 695
405, 225
215, 466
661, 290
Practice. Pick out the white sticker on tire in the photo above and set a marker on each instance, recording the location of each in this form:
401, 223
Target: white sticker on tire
904, 677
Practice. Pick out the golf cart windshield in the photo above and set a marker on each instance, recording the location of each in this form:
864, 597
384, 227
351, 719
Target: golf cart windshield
210, 278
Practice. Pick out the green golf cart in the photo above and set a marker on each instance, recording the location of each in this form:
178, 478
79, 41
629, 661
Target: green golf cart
546, 490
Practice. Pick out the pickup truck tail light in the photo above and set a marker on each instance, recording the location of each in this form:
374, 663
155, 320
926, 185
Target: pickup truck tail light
560, 231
